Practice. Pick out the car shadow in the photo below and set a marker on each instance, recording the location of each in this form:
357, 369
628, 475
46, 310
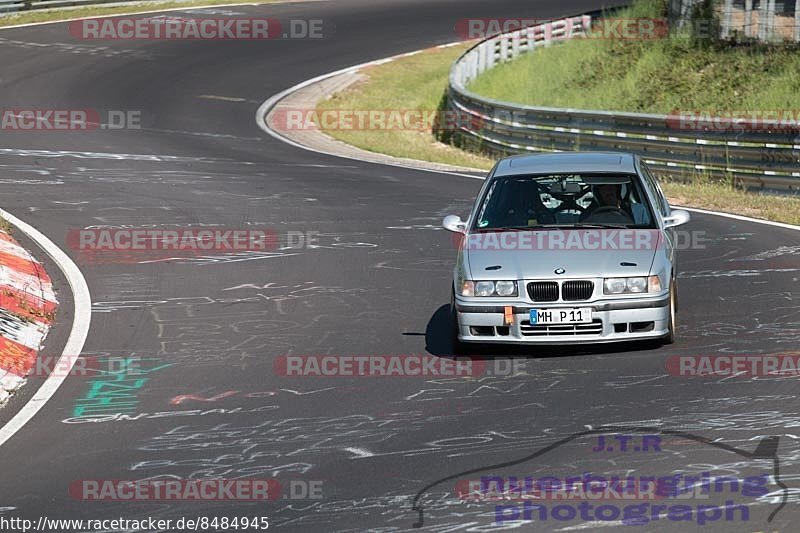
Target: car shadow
438, 342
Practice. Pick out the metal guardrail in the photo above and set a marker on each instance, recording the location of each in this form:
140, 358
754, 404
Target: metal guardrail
748, 152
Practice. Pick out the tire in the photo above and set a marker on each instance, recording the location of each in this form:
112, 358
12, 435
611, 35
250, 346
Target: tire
669, 338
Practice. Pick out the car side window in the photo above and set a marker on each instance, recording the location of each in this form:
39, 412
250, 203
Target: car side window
652, 184
479, 218
640, 211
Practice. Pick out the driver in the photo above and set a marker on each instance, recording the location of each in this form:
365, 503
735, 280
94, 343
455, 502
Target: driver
607, 195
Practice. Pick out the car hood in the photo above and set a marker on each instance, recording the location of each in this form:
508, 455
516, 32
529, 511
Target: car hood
615, 255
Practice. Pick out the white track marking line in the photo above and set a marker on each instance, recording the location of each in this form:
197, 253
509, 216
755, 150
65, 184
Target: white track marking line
80, 327
743, 218
360, 452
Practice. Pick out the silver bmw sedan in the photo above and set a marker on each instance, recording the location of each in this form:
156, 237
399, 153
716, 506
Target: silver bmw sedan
566, 248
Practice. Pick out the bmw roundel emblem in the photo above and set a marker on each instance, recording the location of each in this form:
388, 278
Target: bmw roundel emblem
559, 271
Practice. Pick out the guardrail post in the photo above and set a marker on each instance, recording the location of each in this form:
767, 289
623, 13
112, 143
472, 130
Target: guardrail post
531, 34
748, 18
557, 30
515, 38
771, 33
797, 20
727, 19
569, 28
762, 19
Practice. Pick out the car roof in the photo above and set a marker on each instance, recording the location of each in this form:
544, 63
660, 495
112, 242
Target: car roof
567, 163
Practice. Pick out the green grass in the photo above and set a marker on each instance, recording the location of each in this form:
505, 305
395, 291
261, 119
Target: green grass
649, 76
29, 17
719, 197
412, 83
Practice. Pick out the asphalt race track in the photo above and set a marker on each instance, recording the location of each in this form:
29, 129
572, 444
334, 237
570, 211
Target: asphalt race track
210, 329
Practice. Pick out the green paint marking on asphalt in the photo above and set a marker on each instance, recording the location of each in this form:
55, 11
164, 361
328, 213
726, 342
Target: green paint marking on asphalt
116, 389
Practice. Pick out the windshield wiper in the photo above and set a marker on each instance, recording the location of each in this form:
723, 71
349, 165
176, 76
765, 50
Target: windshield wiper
552, 226
504, 228
582, 226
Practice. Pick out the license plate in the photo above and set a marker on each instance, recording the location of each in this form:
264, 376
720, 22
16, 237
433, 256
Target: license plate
578, 315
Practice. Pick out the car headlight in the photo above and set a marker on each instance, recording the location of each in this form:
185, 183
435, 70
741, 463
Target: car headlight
614, 285
634, 285
489, 288
505, 288
484, 288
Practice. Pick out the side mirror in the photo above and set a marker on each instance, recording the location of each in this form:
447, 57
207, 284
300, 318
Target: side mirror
678, 217
454, 223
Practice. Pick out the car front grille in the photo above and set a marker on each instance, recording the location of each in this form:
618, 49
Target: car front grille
595, 328
543, 291
573, 291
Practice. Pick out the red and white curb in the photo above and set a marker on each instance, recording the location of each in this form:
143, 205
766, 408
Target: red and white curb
27, 309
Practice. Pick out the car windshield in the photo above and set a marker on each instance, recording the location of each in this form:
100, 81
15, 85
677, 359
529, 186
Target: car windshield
564, 201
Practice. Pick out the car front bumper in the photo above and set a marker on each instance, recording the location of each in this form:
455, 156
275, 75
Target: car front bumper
613, 321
